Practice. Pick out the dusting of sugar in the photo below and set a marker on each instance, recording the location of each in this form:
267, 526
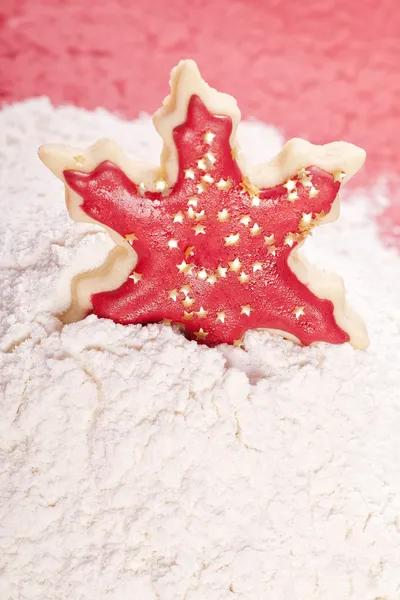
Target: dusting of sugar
136, 464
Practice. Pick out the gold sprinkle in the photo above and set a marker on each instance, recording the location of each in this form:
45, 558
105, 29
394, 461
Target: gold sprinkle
208, 137
201, 164
338, 176
257, 266
202, 274
246, 310
221, 271
223, 216
303, 173
290, 185
161, 184
232, 239
272, 250
130, 237
135, 276
184, 268
305, 222
298, 311
178, 217
319, 217
173, 294
290, 239
221, 316
255, 230
245, 219
199, 229
235, 152
208, 179
172, 244
201, 187
185, 289
306, 182
190, 213
201, 334
189, 173
238, 343
304, 177
235, 265
189, 251
243, 278
166, 322
202, 313
269, 239
188, 316
200, 215
292, 196
224, 184
255, 201
313, 192
80, 160
188, 301
192, 201
211, 279
249, 188
142, 189
210, 157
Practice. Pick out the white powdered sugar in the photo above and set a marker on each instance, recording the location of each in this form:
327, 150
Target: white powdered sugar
138, 465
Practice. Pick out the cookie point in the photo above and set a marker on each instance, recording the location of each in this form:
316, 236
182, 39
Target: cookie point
51, 155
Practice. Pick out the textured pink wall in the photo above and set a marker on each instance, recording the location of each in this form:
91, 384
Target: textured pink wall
319, 69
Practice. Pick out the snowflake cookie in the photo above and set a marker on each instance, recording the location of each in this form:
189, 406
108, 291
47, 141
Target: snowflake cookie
201, 240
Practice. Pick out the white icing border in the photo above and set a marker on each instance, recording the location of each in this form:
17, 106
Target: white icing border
296, 154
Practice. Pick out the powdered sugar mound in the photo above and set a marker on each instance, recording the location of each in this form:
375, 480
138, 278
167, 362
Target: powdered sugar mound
137, 464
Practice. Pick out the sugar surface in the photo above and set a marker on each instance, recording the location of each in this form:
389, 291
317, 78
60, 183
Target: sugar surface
136, 464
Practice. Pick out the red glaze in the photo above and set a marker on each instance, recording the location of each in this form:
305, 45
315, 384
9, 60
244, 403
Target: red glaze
272, 292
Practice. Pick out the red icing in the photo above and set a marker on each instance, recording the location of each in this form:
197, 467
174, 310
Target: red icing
273, 292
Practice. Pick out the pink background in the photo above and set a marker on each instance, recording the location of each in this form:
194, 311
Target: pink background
323, 70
